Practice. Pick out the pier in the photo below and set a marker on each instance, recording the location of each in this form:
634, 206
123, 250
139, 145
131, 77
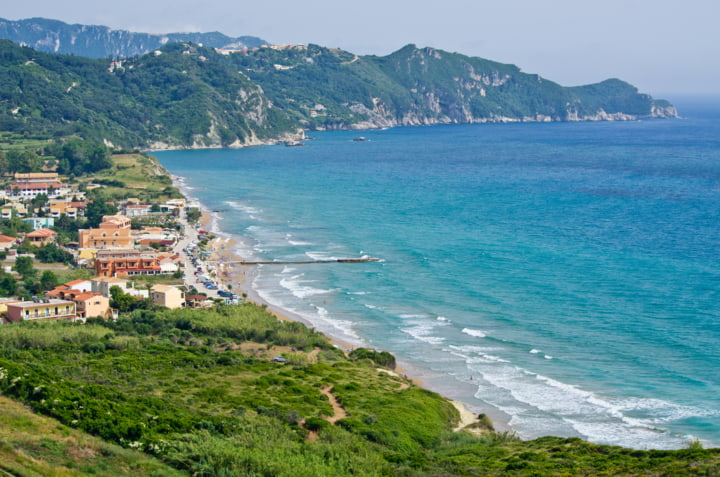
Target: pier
304, 262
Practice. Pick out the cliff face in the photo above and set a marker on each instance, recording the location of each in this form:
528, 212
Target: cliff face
332, 89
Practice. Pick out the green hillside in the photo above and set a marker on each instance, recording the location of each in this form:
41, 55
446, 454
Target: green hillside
189, 96
198, 393
177, 98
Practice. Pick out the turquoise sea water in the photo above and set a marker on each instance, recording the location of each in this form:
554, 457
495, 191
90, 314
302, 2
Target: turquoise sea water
562, 277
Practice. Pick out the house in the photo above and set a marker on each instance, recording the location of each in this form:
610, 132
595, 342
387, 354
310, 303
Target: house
127, 262
167, 296
175, 204
41, 236
103, 285
168, 265
113, 233
79, 285
6, 242
30, 185
41, 309
93, 305
150, 235
57, 208
197, 301
115, 222
139, 210
6, 213
40, 222
4, 302
87, 303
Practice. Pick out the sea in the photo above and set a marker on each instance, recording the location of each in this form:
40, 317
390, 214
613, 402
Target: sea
563, 278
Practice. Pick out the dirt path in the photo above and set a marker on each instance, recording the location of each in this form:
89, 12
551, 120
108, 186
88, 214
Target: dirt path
338, 412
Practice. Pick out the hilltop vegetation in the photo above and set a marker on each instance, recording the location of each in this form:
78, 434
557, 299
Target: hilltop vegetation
197, 391
184, 95
176, 98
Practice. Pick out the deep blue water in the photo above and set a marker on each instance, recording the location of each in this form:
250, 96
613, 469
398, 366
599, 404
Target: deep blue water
562, 277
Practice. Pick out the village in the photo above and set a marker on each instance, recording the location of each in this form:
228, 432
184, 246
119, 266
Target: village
121, 264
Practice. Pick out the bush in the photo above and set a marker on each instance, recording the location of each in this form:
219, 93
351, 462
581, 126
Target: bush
382, 358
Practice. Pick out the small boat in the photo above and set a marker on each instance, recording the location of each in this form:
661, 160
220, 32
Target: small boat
293, 143
360, 139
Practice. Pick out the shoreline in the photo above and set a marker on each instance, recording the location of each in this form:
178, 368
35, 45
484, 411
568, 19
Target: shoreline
224, 248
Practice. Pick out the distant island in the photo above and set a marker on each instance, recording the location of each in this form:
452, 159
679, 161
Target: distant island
184, 95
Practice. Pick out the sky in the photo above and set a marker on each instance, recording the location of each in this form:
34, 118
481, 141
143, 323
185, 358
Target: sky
664, 47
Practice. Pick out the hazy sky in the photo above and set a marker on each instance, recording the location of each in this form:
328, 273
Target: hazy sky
660, 46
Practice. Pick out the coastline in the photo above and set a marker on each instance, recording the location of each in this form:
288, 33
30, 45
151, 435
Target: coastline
225, 248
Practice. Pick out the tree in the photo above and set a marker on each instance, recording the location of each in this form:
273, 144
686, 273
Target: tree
24, 267
95, 212
48, 280
193, 214
8, 284
51, 253
120, 300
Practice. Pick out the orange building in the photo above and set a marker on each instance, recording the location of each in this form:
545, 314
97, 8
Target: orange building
113, 233
41, 236
129, 262
87, 303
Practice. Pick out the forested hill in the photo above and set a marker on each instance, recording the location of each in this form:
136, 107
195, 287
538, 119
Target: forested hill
95, 41
184, 95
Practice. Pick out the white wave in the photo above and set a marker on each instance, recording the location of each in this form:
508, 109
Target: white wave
476, 354
298, 243
422, 333
547, 404
298, 288
664, 411
372, 307
317, 317
475, 333
320, 256
442, 318
247, 209
422, 328
535, 351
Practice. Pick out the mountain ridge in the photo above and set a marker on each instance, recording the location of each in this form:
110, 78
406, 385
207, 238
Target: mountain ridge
183, 95
98, 41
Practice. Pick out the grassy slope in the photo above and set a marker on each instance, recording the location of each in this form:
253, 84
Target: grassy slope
198, 390
34, 445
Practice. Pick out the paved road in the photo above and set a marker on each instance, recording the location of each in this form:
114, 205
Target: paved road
190, 236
